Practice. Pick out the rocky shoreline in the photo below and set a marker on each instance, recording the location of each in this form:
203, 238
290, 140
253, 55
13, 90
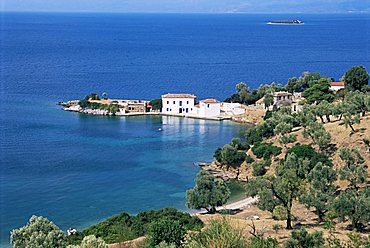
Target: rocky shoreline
218, 171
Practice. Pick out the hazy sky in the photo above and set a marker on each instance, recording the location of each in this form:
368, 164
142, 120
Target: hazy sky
246, 6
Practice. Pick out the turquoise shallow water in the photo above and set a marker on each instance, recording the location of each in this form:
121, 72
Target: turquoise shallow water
77, 169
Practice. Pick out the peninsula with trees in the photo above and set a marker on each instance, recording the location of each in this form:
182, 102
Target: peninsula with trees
303, 168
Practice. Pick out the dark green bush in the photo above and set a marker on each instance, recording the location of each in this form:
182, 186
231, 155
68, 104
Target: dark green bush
302, 239
218, 154
249, 159
265, 150
307, 152
144, 219
268, 115
156, 104
109, 230
279, 213
123, 227
259, 168
253, 136
166, 230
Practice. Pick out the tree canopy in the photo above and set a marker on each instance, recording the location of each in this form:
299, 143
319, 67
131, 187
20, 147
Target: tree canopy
209, 192
38, 232
356, 78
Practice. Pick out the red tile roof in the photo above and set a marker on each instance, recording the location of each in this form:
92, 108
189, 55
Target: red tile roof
209, 101
337, 84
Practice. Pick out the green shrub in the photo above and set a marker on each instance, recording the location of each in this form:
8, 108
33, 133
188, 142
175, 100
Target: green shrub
143, 220
302, 239
253, 136
307, 152
109, 229
166, 230
265, 150
38, 232
260, 242
279, 213
268, 115
218, 154
156, 104
91, 242
123, 227
277, 227
259, 168
249, 159
230, 155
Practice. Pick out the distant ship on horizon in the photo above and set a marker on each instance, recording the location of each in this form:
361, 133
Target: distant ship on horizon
287, 22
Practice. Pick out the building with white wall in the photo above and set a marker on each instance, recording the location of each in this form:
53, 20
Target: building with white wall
231, 109
335, 86
209, 108
178, 104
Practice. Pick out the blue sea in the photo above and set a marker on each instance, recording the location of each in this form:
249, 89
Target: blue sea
77, 169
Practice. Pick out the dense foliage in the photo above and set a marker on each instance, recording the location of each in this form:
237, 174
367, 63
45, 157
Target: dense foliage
209, 192
89, 103
38, 232
156, 104
166, 230
265, 150
303, 239
124, 227
232, 154
357, 78
319, 92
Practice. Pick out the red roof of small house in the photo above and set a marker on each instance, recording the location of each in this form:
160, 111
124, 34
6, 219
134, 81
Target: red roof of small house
209, 101
337, 84
197, 106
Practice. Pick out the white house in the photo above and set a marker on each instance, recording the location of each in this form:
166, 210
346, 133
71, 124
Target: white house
231, 109
209, 108
178, 104
261, 103
282, 98
335, 86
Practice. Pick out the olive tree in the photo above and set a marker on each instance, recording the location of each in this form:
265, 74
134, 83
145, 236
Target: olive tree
353, 202
38, 232
166, 230
321, 189
282, 189
209, 192
356, 78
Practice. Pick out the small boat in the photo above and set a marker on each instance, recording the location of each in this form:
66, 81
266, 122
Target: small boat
287, 22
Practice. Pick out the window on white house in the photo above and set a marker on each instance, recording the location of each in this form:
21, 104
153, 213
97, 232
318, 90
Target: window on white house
168, 102
207, 105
